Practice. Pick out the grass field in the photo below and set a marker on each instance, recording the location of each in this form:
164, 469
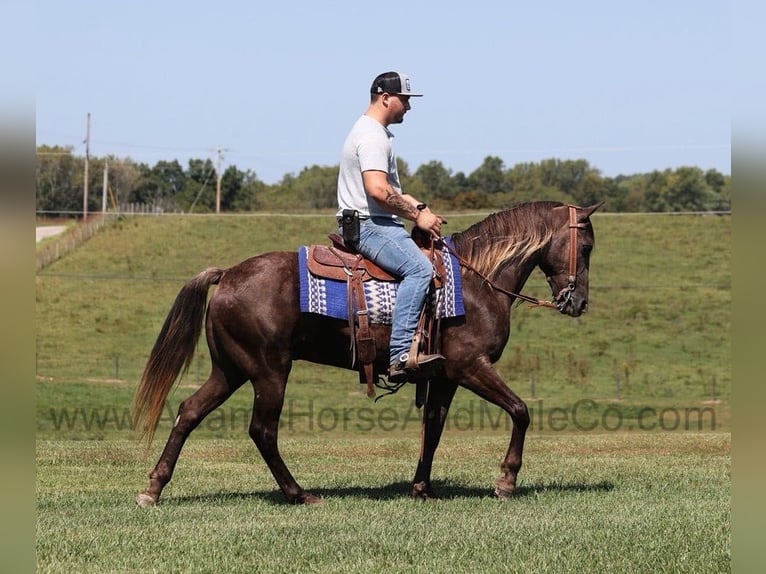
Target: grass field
627, 466
600, 503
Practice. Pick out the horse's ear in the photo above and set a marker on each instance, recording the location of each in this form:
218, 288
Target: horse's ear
588, 211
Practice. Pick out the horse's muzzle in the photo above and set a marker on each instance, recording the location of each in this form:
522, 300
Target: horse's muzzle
569, 303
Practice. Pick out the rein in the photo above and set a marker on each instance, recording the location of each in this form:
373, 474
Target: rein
565, 294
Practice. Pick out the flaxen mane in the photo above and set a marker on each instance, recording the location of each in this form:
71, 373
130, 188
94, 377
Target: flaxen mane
512, 234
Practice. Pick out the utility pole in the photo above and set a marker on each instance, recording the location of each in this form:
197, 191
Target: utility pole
219, 156
85, 183
106, 183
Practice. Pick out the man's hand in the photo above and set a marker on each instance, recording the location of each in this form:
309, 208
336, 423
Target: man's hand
430, 222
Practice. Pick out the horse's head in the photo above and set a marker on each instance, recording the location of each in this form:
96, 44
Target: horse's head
567, 258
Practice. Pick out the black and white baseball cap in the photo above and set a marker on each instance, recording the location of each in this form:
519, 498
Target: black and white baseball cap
393, 83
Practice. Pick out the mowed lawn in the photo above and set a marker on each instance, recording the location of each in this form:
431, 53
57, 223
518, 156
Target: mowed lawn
619, 502
627, 466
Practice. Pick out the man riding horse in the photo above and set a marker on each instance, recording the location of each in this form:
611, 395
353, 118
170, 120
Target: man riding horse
371, 206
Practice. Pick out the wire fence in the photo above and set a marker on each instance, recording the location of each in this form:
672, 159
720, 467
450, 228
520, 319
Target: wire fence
712, 385
69, 241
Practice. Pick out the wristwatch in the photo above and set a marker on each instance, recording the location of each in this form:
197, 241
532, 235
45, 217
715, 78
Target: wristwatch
421, 206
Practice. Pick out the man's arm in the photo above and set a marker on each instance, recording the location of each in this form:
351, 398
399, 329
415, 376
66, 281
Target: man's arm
376, 185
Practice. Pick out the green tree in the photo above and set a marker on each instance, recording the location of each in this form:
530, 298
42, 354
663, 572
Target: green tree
626, 193
316, 187
199, 193
249, 197
576, 181
437, 180
161, 186
534, 182
720, 187
489, 176
523, 182
58, 180
591, 189
123, 177
471, 200
688, 191
614, 195
655, 196
232, 181
460, 181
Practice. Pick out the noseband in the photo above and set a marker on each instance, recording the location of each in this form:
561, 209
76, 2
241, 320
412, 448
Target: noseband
565, 295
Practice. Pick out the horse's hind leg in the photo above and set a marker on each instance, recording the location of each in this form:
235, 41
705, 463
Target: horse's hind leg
440, 394
191, 412
269, 398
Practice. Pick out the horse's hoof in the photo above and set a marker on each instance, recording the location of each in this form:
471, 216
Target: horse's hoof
503, 492
503, 489
422, 491
309, 499
143, 499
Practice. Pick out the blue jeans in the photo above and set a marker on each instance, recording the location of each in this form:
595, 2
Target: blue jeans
389, 245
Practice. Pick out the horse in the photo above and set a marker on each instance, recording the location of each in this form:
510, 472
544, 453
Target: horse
255, 330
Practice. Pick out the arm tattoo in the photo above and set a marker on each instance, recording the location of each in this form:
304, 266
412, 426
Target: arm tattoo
398, 203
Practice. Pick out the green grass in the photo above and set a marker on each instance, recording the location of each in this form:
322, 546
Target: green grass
627, 465
600, 503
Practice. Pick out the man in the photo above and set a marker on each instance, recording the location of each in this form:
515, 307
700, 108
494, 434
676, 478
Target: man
368, 182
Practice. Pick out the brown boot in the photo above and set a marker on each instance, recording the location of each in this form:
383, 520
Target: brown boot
427, 365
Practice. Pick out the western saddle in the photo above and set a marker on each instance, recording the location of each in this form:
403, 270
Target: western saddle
340, 262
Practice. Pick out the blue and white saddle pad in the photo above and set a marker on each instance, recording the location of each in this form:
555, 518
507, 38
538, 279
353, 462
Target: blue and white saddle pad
329, 298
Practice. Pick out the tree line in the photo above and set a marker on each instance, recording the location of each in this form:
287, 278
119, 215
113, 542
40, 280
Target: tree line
170, 187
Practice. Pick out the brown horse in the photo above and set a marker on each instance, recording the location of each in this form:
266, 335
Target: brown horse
255, 330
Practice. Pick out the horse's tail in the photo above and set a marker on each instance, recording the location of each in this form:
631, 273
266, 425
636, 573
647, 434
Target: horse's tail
173, 351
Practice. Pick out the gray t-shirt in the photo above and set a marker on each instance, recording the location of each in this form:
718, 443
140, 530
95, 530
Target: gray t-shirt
367, 148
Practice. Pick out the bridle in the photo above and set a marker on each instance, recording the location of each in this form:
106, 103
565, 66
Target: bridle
565, 295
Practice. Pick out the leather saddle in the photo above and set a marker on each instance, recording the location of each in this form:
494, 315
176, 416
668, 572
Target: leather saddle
338, 261
342, 263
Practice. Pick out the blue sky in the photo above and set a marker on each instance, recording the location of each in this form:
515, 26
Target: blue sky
628, 86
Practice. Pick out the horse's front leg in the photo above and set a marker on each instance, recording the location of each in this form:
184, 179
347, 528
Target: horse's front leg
440, 394
485, 382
